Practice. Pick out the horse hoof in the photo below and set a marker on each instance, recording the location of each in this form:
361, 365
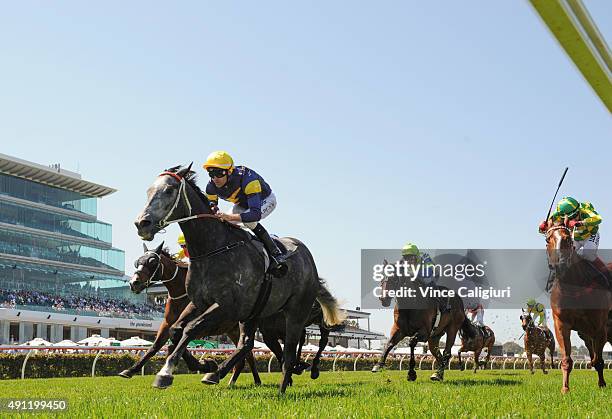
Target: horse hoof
435, 377
163, 381
125, 374
564, 390
208, 366
211, 378
602, 384
545, 372
377, 368
412, 376
314, 374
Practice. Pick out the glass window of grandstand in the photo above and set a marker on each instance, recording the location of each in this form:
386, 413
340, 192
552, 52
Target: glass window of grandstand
60, 250
59, 223
47, 195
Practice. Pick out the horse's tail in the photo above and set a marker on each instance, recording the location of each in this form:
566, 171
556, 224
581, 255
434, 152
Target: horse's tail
332, 313
467, 330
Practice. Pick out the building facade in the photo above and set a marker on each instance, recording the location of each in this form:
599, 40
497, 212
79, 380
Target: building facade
58, 267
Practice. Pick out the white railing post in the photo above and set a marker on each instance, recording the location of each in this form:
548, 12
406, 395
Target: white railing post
93, 366
307, 357
272, 356
355, 362
25, 361
334, 364
420, 361
401, 360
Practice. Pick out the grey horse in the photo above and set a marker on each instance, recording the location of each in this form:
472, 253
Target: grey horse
227, 278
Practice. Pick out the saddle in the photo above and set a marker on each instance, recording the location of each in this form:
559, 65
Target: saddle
286, 246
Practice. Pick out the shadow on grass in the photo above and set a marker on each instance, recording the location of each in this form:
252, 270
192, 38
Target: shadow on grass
473, 382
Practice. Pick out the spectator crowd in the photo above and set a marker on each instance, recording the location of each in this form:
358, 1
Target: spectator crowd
104, 307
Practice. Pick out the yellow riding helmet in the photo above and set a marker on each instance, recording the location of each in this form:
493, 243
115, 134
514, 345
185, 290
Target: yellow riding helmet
181, 239
219, 160
531, 302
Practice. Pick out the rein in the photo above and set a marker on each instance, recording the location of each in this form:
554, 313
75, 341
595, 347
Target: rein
151, 279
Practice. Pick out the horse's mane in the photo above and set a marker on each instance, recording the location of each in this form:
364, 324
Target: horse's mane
166, 252
191, 178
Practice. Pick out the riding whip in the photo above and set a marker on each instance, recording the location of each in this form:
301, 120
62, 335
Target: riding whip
557, 191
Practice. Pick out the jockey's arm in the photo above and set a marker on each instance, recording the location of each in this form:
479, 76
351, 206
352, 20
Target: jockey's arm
253, 213
590, 217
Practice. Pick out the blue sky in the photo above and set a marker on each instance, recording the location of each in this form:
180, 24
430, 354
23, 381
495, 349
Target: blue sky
446, 125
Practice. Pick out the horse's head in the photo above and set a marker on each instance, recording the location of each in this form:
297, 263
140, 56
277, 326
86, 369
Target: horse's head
173, 195
526, 321
388, 283
149, 268
559, 246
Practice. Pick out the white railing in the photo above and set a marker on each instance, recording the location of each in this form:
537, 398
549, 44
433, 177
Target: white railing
99, 350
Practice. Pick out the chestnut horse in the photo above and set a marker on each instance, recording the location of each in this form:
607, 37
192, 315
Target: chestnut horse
476, 338
537, 339
580, 300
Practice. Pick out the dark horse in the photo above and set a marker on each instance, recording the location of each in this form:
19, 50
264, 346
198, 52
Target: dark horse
226, 280
157, 265
418, 324
536, 340
580, 300
273, 331
476, 338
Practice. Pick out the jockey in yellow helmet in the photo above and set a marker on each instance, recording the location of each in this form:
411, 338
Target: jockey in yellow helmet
538, 311
183, 253
252, 197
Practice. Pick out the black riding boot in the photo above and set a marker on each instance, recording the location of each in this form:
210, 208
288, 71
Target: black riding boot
277, 258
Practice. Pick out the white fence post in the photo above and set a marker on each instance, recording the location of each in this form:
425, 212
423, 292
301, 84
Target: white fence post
25, 361
355, 362
93, 366
401, 360
270, 362
334, 364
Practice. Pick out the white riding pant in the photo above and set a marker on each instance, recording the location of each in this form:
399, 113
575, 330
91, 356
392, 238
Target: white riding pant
587, 249
479, 316
267, 206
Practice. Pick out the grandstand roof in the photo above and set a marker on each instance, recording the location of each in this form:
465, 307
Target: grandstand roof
52, 176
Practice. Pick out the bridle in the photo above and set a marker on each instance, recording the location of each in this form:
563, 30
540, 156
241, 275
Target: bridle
182, 193
151, 279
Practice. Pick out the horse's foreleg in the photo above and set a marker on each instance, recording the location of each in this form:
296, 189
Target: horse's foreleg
160, 339
565, 346
396, 336
411, 371
477, 359
461, 366
530, 360
542, 357
164, 377
451, 334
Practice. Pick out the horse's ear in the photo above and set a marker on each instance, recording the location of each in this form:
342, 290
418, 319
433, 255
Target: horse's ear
144, 246
159, 248
185, 170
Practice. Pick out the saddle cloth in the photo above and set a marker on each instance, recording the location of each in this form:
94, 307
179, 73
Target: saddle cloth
285, 245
